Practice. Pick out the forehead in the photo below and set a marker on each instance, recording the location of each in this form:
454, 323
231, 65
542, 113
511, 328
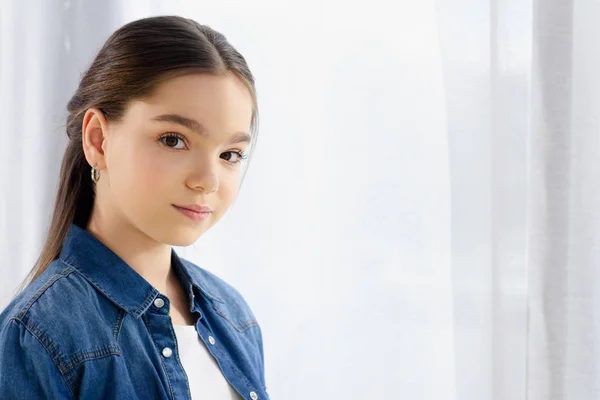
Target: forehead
221, 102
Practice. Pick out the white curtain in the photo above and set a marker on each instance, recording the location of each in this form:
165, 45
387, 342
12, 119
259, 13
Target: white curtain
420, 218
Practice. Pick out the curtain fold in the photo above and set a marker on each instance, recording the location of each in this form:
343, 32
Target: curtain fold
521, 88
563, 202
549, 201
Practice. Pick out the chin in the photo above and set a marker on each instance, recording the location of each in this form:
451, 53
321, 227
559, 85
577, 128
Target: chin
181, 236
182, 242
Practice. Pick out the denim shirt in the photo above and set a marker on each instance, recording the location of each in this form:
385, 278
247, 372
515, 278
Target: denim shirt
91, 327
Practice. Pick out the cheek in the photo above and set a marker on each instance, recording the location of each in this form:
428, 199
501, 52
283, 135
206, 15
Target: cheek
155, 170
230, 180
143, 172
228, 187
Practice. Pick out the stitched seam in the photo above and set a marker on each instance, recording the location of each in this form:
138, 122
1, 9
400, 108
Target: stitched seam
247, 324
238, 372
50, 353
41, 335
211, 296
146, 302
118, 325
65, 366
67, 261
40, 291
79, 358
144, 318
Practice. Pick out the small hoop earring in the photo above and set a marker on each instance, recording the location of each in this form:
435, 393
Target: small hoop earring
95, 175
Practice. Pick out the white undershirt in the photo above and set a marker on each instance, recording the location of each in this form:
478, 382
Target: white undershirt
204, 375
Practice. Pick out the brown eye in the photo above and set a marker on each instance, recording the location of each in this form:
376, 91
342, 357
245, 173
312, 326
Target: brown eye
172, 141
233, 157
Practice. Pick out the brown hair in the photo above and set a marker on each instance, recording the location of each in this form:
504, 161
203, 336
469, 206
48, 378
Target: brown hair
132, 63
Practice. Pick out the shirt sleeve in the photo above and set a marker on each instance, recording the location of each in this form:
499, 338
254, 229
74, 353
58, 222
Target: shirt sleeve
26, 369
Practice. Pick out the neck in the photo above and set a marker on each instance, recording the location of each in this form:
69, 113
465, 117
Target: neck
149, 258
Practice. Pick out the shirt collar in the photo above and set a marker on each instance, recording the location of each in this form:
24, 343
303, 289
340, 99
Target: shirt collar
116, 279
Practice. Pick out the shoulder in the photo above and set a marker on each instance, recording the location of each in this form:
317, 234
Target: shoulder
28, 367
62, 310
38, 296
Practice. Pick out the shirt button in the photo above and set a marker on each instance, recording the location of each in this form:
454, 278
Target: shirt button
167, 352
211, 340
253, 396
159, 302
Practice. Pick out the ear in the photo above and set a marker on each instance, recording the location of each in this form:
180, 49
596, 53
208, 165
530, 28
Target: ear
93, 134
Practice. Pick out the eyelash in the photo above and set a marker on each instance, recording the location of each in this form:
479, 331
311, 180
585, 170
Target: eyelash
241, 156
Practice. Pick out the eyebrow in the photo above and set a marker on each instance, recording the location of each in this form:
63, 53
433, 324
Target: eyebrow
197, 127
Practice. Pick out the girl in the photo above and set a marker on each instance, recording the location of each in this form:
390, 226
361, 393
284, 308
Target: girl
158, 130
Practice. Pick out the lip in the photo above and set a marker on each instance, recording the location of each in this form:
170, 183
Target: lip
195, 207
194, 215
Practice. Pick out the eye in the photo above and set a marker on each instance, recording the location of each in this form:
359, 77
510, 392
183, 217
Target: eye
173, 141
233, 157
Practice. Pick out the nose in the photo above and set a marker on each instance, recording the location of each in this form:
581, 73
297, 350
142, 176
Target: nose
204, 177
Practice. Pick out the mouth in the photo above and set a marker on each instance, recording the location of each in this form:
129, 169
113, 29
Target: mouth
200, 215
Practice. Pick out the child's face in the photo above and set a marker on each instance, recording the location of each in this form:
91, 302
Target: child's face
153, 163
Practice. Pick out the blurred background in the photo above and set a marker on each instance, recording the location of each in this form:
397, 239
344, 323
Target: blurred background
419, 220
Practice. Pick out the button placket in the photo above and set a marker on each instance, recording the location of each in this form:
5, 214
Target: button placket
163, 336
167, 352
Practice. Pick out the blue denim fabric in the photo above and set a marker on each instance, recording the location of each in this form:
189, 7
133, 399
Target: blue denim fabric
88, 327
